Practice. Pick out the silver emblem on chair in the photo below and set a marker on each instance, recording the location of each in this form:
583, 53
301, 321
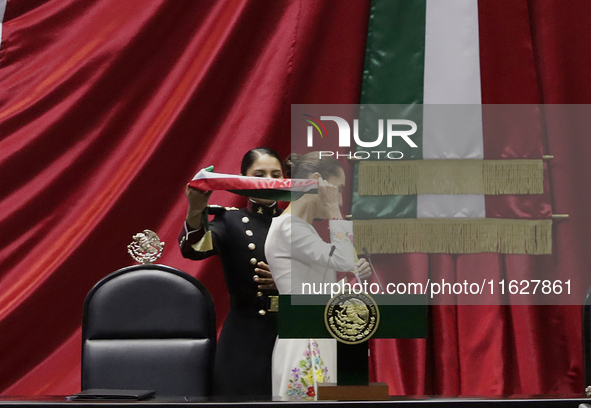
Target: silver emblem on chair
146, 247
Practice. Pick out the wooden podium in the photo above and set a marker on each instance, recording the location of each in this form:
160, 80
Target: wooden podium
401, 316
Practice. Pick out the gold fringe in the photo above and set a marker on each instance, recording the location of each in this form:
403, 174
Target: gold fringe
451, 177
454, 235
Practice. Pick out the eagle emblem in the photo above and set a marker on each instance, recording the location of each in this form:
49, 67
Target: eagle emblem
352, 318
146, 247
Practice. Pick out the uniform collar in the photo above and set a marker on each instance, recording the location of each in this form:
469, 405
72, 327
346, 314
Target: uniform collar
261, 209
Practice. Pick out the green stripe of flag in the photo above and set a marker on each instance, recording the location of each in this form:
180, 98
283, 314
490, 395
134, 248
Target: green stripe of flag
393, 74
395, 53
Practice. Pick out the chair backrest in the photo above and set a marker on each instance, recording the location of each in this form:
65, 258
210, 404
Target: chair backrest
149, 327
587, 337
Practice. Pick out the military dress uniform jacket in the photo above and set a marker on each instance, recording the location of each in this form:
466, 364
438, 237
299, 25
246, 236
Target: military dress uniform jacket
245, 346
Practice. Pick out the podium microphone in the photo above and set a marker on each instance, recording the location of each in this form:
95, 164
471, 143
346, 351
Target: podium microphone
367, 255
332, 249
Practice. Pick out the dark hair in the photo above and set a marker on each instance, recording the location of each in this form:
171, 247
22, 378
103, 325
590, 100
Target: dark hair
304, 165
252, 155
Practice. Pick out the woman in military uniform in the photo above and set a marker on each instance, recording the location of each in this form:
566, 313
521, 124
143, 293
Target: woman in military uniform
243, 357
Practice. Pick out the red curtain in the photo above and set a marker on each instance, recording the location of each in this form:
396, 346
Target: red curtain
108, 108
532, 52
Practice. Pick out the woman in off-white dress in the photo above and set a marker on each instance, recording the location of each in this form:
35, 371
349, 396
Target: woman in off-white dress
297, 255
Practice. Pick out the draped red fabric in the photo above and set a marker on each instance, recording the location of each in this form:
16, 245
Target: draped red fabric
108, 108
532, 52
541, 59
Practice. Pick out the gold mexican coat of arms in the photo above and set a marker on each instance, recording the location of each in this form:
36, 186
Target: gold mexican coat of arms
352, 318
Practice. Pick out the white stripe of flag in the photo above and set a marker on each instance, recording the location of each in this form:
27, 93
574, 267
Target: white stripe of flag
452, 76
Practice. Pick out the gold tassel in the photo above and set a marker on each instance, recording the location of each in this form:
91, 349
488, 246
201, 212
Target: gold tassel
454, 235
468, 176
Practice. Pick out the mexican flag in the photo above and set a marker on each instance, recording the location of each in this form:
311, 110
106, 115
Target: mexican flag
476, 182
257, 187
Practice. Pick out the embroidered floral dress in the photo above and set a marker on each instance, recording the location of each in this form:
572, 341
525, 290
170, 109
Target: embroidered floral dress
297, 255
310, 371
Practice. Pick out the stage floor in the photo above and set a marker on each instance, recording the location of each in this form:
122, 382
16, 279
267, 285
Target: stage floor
549, 401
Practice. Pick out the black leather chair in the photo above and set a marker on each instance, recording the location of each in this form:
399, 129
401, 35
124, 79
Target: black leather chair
149, 327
